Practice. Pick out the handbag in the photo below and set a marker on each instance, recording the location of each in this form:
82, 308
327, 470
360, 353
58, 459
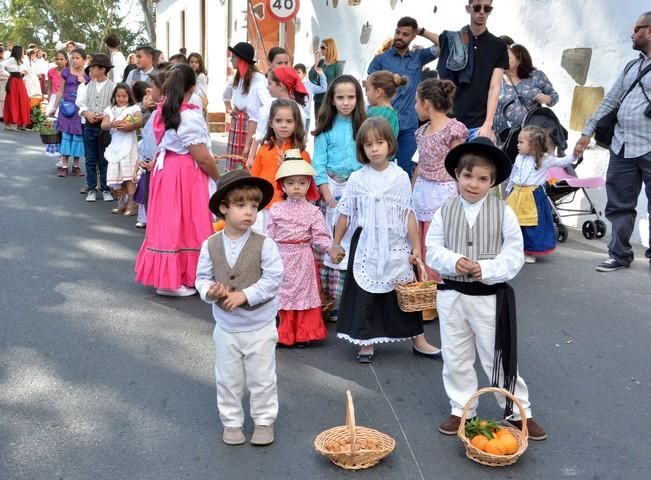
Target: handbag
68, 109
605, 128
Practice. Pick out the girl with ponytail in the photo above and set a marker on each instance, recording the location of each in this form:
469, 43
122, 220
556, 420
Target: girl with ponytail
183, 173
381, 86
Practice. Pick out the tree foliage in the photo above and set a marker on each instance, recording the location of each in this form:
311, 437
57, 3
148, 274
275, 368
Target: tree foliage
48, 22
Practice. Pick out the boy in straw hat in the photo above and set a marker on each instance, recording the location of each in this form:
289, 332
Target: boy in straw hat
475, 242
297, 225
239, 273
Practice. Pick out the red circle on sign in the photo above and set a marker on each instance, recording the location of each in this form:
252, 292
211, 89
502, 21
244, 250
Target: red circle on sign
282, 6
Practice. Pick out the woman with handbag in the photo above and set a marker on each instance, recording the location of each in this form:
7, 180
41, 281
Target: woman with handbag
523, 87
16, 109
68, 120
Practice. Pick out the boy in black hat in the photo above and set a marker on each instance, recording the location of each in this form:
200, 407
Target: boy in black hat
475, 242
239, 273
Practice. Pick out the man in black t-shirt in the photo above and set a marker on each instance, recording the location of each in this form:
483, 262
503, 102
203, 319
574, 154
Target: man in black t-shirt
478, 83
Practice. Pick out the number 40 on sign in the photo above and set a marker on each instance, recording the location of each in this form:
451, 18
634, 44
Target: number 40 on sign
282, 10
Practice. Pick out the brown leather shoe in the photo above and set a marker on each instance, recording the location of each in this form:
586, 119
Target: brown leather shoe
450, 425
63, 172
120, 209
76, 172
131, 209
536, 432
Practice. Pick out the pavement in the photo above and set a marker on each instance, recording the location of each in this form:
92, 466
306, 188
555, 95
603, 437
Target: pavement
101, 378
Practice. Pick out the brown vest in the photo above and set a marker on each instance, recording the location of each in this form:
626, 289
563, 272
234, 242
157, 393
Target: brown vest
247, 269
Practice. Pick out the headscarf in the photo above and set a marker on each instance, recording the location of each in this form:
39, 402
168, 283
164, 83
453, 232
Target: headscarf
288, 77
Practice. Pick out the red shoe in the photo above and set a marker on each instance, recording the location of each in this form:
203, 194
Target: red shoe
76, 172
63, 172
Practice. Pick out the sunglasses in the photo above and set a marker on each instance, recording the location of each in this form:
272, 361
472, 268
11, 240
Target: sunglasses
323, 47
487, 8
637, 28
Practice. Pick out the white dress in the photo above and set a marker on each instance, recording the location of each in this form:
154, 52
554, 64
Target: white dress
122, 152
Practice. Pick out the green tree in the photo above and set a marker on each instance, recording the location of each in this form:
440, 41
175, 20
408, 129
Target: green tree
47, 22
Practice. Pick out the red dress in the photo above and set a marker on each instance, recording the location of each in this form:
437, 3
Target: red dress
17, 109
296, 225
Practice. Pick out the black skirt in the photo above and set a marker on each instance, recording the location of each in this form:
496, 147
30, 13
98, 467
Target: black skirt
366, 318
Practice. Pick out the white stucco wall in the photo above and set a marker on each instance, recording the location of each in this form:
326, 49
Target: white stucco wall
545, 27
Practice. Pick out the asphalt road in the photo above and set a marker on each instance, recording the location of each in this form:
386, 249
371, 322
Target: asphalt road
100, 378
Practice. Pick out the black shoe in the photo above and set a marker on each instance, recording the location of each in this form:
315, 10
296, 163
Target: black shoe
610, 265
365, 357
434, 356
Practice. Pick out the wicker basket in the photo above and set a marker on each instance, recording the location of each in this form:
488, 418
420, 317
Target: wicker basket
479, 456
241, 160
417, 296
50, 139
351, 441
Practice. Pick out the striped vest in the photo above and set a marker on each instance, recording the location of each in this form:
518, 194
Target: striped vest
481, 242
97, 102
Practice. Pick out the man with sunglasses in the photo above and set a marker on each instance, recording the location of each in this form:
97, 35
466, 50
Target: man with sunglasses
402, 60
630, 150
478, 76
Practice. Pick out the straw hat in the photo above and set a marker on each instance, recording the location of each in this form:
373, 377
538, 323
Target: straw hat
289, 168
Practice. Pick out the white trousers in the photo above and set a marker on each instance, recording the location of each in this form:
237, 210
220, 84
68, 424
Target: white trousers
468, 323
246, 359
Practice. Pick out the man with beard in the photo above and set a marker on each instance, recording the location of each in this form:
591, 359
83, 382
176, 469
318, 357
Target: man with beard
475, 60
403, 61
630, 149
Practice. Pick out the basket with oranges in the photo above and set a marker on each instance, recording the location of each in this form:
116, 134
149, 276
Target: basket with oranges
491, 443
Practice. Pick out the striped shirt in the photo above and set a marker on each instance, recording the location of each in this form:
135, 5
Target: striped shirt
633, 129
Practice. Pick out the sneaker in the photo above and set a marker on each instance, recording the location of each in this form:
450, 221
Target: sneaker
183, 291
450, 425
536, 432
107, 196
263, 435
610, 265
141, 225
91, 196
529, 259
233, 436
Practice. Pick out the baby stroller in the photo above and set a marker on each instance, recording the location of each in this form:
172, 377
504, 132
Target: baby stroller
561, 187
542, 117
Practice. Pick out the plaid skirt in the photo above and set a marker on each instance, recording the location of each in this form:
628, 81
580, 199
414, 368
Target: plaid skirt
236, 137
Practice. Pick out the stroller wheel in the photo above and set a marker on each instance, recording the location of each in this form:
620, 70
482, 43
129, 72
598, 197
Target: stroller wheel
561, 233
589, 229
601, 228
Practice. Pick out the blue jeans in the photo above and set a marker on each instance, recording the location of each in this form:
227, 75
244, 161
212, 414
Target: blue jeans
406, 149
94, 158
472, 133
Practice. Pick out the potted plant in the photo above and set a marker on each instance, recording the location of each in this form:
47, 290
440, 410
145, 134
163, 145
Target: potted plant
45, 126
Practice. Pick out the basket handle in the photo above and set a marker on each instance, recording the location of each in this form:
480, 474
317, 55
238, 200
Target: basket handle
501, 391
350, 419
421, 271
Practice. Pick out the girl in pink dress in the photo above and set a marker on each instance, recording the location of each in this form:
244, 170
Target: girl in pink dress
178, 218
296, 225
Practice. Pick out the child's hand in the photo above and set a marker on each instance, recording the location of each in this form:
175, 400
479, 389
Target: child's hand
216, 291
234, 300
464, 266
476, 271
415, 256
337, 253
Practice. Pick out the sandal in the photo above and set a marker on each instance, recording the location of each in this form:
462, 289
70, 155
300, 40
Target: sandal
131, 209
365, 357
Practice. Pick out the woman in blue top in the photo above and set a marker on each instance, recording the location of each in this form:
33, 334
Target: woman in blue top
523, 87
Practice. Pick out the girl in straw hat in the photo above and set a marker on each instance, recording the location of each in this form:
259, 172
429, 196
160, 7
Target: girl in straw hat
297, 225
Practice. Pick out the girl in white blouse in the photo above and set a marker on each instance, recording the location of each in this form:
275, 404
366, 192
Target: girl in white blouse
527, 194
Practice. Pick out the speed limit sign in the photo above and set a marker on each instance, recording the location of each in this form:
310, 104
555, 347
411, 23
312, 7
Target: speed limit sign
282, 10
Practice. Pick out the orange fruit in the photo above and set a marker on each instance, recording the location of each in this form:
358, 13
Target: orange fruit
502, 431
483, 423
479, 441
494, 447
508, 442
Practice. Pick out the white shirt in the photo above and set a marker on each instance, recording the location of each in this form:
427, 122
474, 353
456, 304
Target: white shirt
82, 101
11, 66
504, 267
119, 64
266, 288
313, 89
524, 169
